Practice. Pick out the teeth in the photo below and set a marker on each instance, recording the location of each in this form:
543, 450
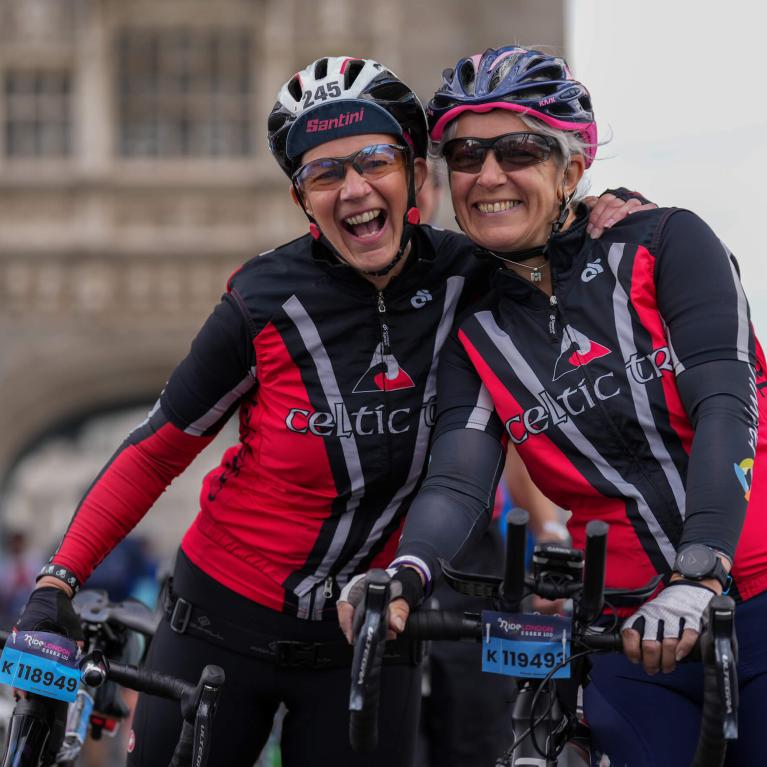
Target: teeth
363, 218
497, 207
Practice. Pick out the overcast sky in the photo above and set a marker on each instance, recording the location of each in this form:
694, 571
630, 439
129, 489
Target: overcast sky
681, 86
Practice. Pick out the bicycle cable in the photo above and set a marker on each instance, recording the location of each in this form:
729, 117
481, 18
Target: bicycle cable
536, 721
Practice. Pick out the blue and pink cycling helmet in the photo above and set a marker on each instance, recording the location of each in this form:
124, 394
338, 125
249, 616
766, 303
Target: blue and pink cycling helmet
520, 80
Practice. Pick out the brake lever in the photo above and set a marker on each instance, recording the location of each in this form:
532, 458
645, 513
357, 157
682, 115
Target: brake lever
209, 690
725, 649
372, 634
369, 645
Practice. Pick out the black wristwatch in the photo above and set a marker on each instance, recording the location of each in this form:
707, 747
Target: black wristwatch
697, 562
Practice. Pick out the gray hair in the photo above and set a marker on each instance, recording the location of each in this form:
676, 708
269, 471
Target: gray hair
568, 145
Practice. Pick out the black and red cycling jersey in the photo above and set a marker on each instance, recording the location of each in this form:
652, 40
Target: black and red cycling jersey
634, 394
335, 383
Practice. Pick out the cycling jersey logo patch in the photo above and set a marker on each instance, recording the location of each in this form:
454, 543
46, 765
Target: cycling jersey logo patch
593, 269
577, 350
420, 299
744, 471
384, 374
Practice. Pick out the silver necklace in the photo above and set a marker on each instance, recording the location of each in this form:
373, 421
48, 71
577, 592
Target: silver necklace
536, 272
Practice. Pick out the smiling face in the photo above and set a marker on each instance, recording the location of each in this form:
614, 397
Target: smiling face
508, 210
363, 218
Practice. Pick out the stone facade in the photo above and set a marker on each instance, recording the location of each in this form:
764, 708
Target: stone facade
135, 176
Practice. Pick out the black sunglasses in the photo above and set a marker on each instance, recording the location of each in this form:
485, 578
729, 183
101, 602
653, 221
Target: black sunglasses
371, 162
512, 151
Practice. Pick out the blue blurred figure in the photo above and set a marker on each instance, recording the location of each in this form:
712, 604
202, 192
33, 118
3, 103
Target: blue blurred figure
130, 570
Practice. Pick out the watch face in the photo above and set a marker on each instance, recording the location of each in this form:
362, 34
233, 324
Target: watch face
696, 561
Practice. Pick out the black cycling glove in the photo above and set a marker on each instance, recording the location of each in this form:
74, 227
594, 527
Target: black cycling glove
406, 584
50, 609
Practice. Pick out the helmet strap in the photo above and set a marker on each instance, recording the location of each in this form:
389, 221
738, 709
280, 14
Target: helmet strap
564, 212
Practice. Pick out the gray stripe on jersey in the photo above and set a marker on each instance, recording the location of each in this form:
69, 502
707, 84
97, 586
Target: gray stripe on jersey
638, 390
311, 338
743, 323
149, 415
482, 411
675, 361
452, 295
530, 381
218, 411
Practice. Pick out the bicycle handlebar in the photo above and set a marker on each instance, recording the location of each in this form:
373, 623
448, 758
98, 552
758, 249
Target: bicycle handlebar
198, 701
592, 601
513, 587
717, 647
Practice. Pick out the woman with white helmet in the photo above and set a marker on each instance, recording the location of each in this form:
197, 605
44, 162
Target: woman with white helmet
328, 348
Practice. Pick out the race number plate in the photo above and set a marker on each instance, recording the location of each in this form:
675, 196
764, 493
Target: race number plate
523, 645
43, 663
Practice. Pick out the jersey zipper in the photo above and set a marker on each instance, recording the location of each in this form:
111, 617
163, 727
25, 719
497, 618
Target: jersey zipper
385, 342
553, 317
385, 350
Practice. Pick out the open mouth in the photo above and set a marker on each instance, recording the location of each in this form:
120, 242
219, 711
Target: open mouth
367, 224
497, 207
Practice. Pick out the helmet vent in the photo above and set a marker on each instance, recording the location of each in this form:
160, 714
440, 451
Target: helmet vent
466, 76
502, 71
321, 69
353, 69
294, 88
390, 92
276, 118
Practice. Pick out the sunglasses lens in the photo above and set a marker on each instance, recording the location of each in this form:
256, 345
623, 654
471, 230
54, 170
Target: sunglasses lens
321, 174
512, 150
372, 162
464, 155
517, 151
379, 160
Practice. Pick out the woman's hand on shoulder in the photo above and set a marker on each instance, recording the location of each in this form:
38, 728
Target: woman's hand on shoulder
608, 209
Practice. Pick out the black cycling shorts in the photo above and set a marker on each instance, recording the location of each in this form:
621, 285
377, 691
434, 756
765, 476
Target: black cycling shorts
315, 729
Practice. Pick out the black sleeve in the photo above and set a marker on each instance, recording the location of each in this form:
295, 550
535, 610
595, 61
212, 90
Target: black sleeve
700, 296
463, 401
703, 305
455, 502
716, 394
208, 383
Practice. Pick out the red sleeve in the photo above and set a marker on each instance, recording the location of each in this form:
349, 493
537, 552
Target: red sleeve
198, 399
126, 489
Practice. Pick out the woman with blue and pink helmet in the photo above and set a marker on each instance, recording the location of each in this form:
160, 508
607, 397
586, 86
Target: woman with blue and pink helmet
527, 89
518, 80
625, 372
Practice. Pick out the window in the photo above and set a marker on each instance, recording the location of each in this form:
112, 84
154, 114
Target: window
184, 93
37, 113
